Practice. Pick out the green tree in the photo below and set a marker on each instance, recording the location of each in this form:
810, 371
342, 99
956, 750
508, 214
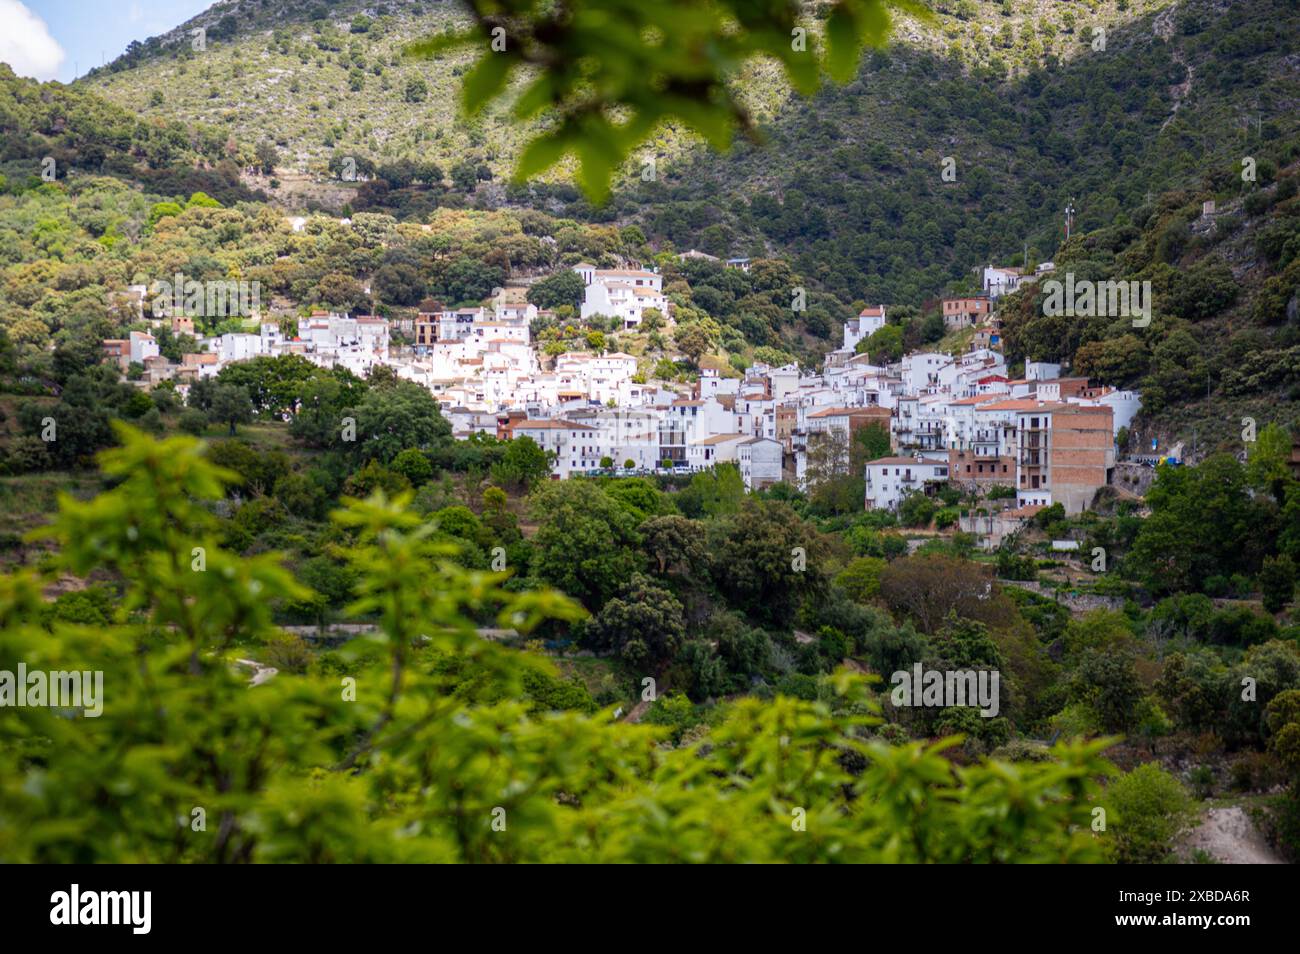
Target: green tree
832, 485
585, 542
916, 510
1277, 582
523, 465
765, 560
319, 418
1283, 716
268, 157
416, 90
966, 644
639, 496
1147, 808
373, 478
693, 340
301, 496
1107, 682
231, 405
714, 492
1203, 522
675, 547
884, 345
497, 516
391, 420
643, 624
565, 287
869, 443
861, 578
332, 586
1268, 464
413, 465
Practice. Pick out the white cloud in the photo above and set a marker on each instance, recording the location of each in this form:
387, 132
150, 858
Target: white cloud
26, 44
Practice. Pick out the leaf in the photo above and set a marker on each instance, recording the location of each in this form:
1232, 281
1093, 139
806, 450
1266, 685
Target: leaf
485, 81
540, 154
711, 121
535, 98
599, 154
873, 23
430, 46
843, 44
914, 8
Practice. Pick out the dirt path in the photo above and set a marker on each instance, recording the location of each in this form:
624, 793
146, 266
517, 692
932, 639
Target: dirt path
1163, 27
261, 673
1229, 837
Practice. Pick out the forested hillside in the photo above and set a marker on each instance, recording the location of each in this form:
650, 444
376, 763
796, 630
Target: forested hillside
50, 131
1224, 336
851, 183
1018, 94
332, 75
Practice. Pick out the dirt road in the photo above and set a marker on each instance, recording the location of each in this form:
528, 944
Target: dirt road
1229, 837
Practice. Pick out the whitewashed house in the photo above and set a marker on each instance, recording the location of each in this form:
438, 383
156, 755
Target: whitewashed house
890, 479
760, 462
621, 293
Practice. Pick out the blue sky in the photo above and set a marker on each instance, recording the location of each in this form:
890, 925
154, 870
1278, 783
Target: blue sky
61, 39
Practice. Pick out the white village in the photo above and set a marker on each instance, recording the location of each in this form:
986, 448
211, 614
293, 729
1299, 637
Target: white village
950, 418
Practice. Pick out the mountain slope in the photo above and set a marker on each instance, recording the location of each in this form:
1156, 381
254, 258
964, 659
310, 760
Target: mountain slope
851, 185
1018, 95
325, 80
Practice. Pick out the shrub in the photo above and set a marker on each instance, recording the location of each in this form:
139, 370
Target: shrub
1147, 808
288, 654
193, 421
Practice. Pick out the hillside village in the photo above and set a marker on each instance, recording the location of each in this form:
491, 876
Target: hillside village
957, 419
